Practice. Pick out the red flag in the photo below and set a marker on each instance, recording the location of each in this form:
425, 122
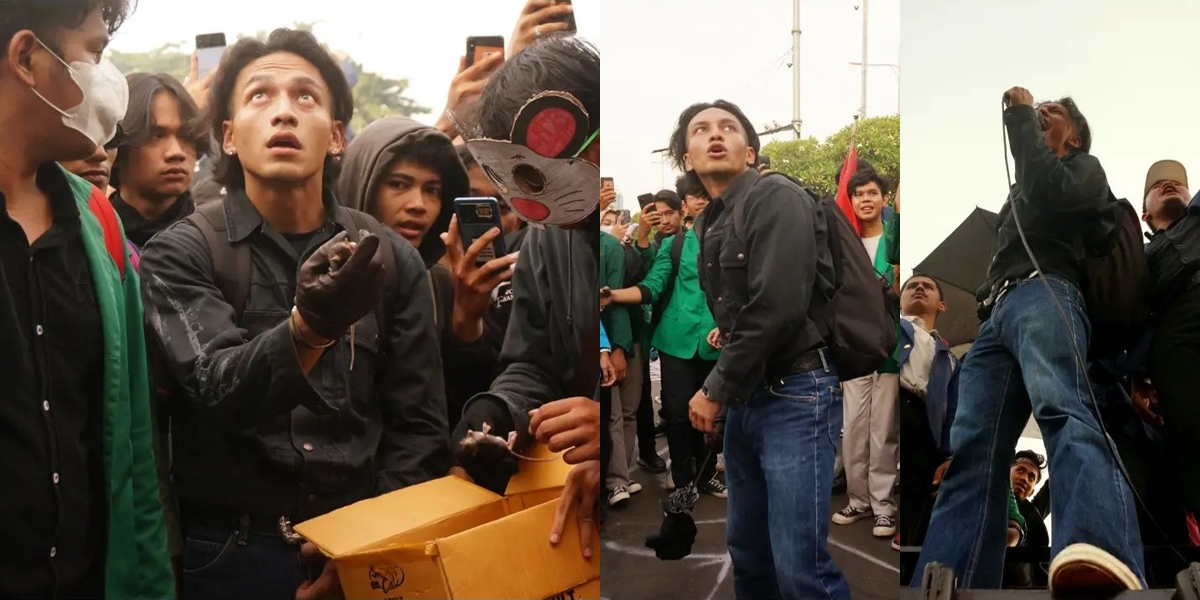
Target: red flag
843, 193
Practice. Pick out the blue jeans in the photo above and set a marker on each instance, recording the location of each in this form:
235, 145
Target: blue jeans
779, 450
1023, 360
222, 563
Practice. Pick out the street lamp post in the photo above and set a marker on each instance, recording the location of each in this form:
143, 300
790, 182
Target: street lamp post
895, 71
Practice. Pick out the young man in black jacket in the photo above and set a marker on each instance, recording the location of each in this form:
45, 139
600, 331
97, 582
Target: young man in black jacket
1025, 358
323, 389
760, 283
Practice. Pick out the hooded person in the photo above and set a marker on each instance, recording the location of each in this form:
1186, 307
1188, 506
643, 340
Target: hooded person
407, 175
537, 139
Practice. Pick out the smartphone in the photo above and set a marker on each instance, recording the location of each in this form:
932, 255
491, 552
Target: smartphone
606, 182
569, 19
480, 47
477, 216
210, 47
624, 217
645, 200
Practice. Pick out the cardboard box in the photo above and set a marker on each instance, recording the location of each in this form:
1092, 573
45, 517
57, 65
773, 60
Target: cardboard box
451, 539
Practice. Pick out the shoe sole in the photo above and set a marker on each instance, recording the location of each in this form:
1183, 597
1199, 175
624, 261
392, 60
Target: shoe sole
634, 488
618, 500
1084, 570
884, 532
839, 519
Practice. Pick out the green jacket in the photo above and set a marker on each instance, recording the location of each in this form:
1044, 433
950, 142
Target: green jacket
686, 321
887, 252
138, 564
612, 275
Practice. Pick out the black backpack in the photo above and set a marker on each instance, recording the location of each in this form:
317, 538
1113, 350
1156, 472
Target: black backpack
1116, 282
231, 262
664, 299
861, 312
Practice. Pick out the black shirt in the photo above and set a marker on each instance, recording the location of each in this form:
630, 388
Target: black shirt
252, 433
53, 510
1058, 200
139, 229
759, 286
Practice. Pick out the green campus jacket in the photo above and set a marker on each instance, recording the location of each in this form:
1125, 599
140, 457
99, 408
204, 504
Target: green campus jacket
612, 275
686, 321
888, 250
138, 564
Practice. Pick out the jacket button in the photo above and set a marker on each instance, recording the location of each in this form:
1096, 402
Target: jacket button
307, 446
907, 346
741, 256
720, 299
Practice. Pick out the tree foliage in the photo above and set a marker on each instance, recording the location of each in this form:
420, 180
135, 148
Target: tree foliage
375, 96
816, 162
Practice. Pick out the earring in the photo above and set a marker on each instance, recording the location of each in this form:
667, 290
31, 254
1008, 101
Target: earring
231, 152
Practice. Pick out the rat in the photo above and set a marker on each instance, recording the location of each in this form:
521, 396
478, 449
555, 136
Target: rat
489, 459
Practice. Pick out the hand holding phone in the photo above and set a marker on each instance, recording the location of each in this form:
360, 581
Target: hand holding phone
475, 278
539, 19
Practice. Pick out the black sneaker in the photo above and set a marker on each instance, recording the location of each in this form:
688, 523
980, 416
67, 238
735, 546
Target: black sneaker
850, 515
618, 496
714, 487
885, 526
652, 463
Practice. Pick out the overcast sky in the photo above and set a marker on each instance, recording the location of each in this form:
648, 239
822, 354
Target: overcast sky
1129, 67
420, 41
678, 52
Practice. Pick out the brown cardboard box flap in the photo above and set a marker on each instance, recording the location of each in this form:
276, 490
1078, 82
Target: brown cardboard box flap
427, 510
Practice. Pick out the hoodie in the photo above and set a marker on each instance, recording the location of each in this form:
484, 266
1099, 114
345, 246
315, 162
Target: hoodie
373, 150
468, 368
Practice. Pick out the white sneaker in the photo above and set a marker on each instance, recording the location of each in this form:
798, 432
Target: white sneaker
634, 487
618, 496
885, 526
1087, 571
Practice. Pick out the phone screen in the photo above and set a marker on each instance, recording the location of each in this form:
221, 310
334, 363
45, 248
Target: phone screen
210, 47
477, 216
481, 47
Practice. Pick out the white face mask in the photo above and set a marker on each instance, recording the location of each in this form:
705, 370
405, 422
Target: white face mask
606, 229
105, 98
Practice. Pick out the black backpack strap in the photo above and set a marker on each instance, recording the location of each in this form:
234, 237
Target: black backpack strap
384, 314
231, 262
664, 299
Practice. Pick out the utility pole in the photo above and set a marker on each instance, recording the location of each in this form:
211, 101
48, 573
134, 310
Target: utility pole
862, 111
796, 68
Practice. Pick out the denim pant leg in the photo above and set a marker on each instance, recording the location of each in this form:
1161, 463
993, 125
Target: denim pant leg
747, 530
968, 527
1091, 502
221, 564
793, 427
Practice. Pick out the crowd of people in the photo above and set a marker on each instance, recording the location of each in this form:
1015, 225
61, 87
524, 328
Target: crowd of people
727, 283
223, 317
1111, 396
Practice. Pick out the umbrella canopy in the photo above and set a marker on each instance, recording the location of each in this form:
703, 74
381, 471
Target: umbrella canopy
960, 264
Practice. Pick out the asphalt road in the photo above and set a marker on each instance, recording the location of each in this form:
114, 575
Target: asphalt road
630, 571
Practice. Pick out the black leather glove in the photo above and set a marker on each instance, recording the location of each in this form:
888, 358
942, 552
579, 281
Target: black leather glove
490, 465
340, 284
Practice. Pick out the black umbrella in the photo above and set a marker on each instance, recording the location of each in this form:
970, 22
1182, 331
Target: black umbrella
960, 264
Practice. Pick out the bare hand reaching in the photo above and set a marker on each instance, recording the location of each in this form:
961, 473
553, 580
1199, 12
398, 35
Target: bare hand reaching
198, 88
466, 86
538, 16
